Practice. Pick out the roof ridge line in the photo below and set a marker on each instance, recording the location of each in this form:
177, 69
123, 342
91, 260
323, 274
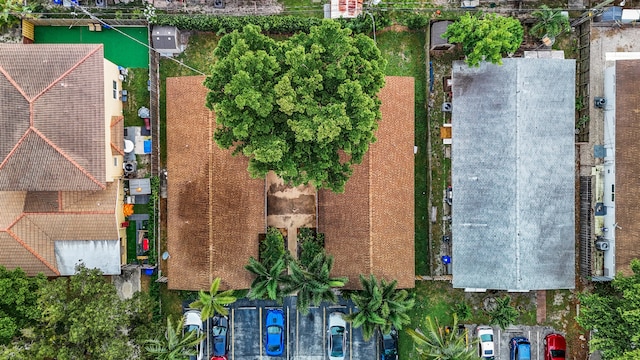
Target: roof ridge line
115, 147
73, 67
4, 162
116, 119
72, 161
33, 252
14, 83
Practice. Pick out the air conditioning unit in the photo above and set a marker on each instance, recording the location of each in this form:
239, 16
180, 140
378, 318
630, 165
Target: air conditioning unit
599, 102
602, 245
447, 107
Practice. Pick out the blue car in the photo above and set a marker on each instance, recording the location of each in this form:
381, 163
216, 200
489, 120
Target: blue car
519, 348
274, 334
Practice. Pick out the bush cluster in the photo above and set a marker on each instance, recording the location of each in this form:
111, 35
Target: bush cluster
276, 24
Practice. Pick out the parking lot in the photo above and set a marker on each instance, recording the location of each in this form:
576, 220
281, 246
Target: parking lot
306, 335
535, 334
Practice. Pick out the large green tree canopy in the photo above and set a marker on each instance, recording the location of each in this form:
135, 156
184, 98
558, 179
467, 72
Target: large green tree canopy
18, 302
487, 37
305, 107
612, 312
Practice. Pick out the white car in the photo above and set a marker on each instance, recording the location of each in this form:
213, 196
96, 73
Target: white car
193, 322
485, 344
337, 336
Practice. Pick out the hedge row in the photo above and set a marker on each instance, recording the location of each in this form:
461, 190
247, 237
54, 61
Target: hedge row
275, 24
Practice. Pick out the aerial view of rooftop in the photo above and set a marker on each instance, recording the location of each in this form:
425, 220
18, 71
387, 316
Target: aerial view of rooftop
319, 179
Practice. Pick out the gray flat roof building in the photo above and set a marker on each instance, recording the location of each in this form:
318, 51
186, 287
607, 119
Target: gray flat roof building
513, 168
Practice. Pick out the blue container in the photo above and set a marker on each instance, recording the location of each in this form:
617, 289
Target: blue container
446, 259
149, 271
147, 146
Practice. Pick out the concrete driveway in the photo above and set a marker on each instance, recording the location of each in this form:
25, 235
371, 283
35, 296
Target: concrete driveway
306, 335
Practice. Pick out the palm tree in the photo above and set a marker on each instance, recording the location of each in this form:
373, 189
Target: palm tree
436, 343
314, 283
504, 314
175, 345
213, 302
380, 305
267, 284
550, 22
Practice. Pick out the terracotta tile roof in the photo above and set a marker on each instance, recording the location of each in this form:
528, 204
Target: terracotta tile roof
215, 211
41, 218
370, 228
14, 255
627, 182
52, 116
12, 204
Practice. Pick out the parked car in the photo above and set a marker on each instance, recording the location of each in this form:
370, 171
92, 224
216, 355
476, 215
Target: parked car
337, 339
274, 333
449, 196
555, 347
519, 348
219, 337
193, 322
485, 345
389, 345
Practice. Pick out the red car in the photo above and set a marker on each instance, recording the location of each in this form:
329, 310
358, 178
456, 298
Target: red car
555, 347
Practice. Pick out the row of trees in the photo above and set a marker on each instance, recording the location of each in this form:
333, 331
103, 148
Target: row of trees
277, 274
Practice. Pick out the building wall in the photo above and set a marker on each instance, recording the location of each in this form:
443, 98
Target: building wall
112, 107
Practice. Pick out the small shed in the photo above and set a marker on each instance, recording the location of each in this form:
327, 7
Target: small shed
140, 186
437, 41
165, 39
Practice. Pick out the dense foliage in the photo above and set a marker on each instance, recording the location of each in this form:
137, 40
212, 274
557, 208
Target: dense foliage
214, 301
81, 317
11, 11
435, 342
612, 314
174, 345
18, 302
549, 22
380, 306
287, 24
485, 38
503, 314
305, 107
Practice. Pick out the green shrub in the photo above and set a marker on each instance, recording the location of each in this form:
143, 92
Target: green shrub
416, 21
275, 24
272, 247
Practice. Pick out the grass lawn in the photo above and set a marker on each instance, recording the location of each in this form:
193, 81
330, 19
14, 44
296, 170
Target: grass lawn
131, 242
118, 48
404, 52
136, 85
305, 8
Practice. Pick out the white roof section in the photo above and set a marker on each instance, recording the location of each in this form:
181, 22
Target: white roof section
513, 174
100, 254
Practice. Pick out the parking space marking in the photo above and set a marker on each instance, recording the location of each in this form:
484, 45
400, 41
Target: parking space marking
260, 321
350, 338
233, 334
286, 343
324, 332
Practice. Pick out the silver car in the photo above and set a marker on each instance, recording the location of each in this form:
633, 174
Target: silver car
337, 336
